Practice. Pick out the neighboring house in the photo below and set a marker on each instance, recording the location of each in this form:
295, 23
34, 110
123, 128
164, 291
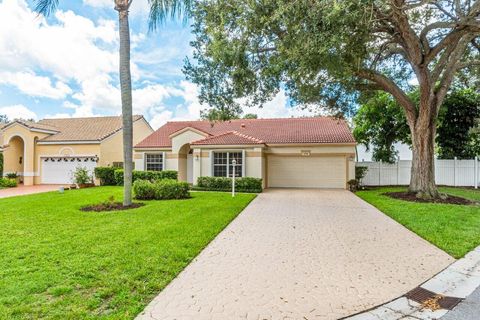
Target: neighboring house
48, 151
295, 152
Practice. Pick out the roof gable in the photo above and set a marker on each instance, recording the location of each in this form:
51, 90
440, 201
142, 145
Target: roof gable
228, 138
318, 130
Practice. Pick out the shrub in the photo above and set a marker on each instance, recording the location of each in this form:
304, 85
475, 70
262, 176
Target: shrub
215, 183
353, 185
146, 175
171, 189
82, 176
12, 175
144, 190
106, 175
8, 183
360, 172
161, 189
245, 184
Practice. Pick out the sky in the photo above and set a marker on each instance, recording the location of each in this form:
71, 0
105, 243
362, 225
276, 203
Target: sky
66, 65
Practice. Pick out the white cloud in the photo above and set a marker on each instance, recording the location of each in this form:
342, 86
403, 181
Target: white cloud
99, 3
34, 85
160, 119
18, 112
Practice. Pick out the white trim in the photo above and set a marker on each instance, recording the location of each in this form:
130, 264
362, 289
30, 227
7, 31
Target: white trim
153, 149
43, 131
179, 132
69, 142
164, 161
230, 147
28, 128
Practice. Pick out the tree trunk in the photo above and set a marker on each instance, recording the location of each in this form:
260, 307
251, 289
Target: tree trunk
422, 180
126, 93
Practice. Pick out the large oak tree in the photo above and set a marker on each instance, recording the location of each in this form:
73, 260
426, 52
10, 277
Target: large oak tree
324, 52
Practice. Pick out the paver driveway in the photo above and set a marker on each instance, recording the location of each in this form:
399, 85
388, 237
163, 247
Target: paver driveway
300, 254
22, 190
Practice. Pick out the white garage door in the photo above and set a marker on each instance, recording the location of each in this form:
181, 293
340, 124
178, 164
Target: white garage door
306, 172
60, 170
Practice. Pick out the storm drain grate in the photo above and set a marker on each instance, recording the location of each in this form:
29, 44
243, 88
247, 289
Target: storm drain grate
428, 298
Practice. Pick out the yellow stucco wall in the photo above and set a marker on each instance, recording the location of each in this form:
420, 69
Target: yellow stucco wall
111, 149
12, 153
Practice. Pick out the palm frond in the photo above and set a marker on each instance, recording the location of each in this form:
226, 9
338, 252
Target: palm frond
45, 7
160, 10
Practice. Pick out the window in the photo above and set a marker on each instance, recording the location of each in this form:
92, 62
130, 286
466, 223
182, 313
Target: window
223, 164
154, 162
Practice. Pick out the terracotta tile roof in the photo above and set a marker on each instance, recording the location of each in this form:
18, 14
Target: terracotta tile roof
84, 129
269, 131
228, 138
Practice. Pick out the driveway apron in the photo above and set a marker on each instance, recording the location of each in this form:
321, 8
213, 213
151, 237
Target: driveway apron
300, 254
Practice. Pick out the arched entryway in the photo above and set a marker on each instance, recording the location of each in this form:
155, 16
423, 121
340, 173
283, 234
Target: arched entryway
14, 159
185, 163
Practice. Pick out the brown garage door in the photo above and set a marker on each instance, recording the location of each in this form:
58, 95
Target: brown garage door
306, 172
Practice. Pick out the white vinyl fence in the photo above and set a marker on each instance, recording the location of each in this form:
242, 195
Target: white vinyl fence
454, 172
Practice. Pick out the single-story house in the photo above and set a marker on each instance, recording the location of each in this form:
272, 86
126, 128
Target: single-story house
48, 151
294, 152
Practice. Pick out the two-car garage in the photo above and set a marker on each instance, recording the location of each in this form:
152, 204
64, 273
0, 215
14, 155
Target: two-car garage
293, 171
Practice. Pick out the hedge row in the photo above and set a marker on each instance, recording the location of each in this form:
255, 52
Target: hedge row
110, 176
146, 175
161, 190
245, 184
106, 175
8, 183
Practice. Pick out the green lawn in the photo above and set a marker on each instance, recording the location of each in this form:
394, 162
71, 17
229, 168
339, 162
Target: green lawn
57, 262
453, 228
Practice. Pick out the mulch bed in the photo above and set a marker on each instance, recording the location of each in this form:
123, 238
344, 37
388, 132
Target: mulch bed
111, 206
412, 197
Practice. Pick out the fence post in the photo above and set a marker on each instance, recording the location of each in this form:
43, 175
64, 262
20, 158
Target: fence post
475, 170
380, 173
455, 171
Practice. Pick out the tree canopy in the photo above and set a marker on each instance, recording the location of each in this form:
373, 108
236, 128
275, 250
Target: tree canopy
459, 115
327, 52
379, 124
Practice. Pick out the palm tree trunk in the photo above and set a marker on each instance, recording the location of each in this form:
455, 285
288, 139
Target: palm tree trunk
126, 93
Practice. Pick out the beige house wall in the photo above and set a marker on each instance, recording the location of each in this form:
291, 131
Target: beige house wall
111, 149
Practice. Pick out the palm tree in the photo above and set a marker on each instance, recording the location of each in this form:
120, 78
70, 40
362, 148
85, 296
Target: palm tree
159, 11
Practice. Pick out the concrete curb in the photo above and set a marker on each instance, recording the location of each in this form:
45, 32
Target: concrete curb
460, 279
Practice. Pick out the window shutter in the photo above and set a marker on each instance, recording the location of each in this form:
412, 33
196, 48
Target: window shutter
244, 163
211, 163
164, 161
